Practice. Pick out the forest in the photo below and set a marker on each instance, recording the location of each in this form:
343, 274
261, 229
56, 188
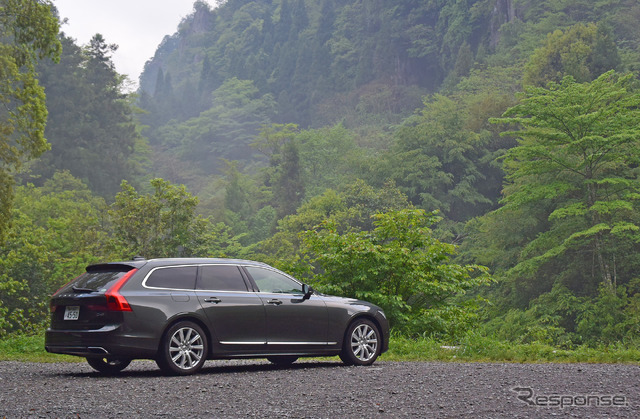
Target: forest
471, 166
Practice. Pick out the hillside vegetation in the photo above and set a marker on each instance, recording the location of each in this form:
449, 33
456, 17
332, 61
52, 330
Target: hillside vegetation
468, 165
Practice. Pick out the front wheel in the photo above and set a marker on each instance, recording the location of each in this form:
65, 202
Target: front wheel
108, 365
183, 349
362, 343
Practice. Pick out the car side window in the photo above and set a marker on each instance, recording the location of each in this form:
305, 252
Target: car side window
221, 278
177, 277
273, 282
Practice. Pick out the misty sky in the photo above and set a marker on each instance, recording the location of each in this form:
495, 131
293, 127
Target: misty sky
137, 26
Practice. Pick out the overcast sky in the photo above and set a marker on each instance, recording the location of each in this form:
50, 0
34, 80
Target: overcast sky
137, 26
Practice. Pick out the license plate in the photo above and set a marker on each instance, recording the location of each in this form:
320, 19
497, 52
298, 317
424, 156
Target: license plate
72, 312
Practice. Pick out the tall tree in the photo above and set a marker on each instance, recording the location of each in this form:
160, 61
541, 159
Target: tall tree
576, 163
438, 162
28, 30
90, 126
111, 129
287, 183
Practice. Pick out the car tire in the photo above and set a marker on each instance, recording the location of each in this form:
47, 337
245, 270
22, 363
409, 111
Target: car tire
282, 359
183, 349
362, 343
108, 366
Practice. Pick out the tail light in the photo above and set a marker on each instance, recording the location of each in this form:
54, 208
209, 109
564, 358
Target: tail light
115, 300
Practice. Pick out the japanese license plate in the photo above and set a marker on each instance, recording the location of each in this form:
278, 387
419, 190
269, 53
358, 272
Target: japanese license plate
72, 312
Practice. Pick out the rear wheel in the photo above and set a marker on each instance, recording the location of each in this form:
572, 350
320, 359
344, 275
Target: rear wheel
362, 344
282, 359
183, 349
107, 365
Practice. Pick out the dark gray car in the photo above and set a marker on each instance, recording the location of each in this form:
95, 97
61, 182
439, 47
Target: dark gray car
182, 312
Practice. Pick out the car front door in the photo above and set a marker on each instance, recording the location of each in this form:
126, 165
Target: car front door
293, 321
236, 315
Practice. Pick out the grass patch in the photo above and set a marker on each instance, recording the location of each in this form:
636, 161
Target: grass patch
29, 349
401, 348
483, 349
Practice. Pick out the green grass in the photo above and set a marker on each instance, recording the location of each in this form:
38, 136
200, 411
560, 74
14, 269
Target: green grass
483, 349
471, 349
29, 349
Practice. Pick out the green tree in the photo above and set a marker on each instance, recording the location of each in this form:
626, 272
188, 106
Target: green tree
162, 224
284, 174
575, 167
90, 125
329, 158
224, 131
245, 211
351, 208
440, 163
400, 266
56, 231
582, 51
28, 31
287, 182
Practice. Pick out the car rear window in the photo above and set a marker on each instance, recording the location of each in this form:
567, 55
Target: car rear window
178, 277
97, 281
221, 278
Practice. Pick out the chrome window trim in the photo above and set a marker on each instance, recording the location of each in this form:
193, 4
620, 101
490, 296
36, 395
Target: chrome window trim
197, 265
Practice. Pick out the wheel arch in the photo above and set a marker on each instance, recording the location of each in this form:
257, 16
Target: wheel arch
193, 319
366, 316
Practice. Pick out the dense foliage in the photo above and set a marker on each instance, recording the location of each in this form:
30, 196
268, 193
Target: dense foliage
400, 266
90, 127
324, 136
27, 32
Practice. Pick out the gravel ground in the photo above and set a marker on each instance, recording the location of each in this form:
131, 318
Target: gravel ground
311, 389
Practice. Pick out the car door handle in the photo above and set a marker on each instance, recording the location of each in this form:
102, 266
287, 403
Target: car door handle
212, 300
274, 302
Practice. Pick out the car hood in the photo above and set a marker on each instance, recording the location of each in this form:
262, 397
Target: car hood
346, 300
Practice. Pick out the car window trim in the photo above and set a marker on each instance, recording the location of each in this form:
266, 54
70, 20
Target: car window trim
251, 288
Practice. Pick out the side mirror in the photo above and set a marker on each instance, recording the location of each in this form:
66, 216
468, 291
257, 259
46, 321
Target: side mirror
307, 291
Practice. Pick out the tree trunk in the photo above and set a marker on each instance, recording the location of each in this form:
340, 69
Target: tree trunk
595, 220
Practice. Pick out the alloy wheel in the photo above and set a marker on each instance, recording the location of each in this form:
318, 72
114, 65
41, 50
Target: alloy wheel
186, 348
364, 342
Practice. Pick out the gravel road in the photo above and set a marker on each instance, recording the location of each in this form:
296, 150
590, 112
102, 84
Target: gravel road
311, 389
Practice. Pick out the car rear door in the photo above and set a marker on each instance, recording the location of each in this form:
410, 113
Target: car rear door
236, 315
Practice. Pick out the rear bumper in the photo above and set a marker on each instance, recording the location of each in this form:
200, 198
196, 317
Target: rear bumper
85, 351
106, 341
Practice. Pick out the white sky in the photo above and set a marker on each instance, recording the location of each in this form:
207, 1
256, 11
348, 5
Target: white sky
136, 26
